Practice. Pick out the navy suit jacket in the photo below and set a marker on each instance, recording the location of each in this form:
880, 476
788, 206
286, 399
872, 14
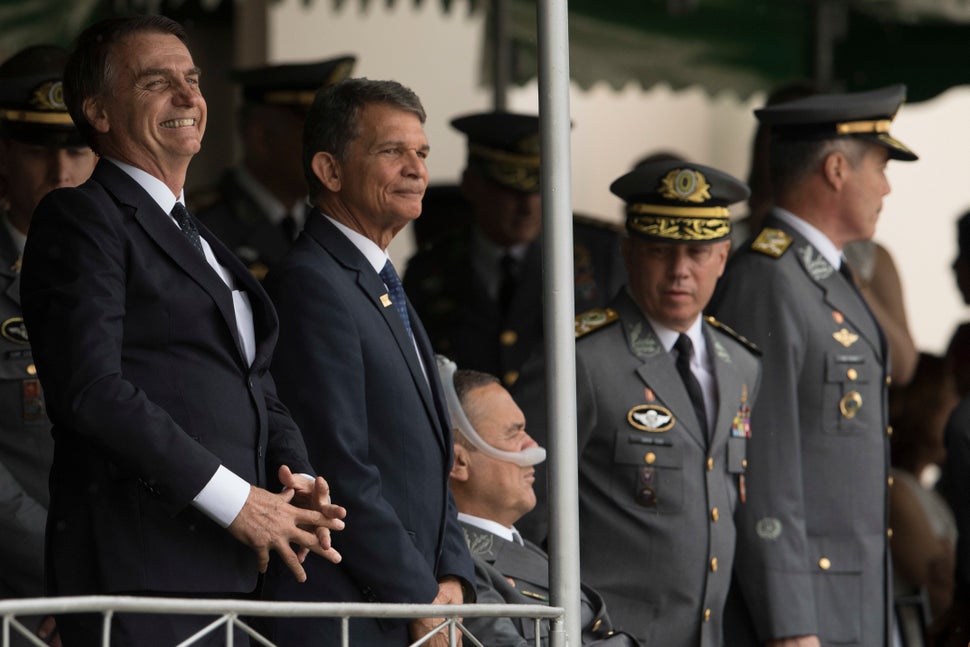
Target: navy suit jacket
148, 390
376, 425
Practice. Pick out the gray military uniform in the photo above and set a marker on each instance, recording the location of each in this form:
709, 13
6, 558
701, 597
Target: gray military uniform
813, 552
510, 573
656, 495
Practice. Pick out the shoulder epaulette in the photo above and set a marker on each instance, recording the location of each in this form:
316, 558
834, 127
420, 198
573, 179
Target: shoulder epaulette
771, 242
733, 334
594, 319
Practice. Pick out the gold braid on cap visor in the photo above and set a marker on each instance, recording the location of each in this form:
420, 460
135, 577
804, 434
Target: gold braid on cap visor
516, 171
37, 117
687, 224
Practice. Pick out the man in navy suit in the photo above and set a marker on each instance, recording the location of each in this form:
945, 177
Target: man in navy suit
153, 345
355, 367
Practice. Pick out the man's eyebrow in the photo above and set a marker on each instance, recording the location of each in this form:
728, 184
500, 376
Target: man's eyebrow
163, 71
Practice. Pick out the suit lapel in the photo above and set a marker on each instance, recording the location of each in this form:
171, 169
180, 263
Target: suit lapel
166, 234
657, 370
370, 283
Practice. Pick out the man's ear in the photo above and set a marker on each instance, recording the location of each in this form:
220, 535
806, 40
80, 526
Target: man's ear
93, 109
835, 167
327, 169
460, 468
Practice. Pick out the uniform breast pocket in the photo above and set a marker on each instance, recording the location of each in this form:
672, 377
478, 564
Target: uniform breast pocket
847, 377
647, 472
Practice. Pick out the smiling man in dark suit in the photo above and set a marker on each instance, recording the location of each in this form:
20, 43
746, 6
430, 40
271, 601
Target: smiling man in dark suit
356, 369
153, 345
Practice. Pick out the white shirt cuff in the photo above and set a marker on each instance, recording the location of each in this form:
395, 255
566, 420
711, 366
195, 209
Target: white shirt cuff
222, 497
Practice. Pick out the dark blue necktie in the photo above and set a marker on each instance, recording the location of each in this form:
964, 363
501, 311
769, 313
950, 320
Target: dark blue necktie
684, 349
184, 221
396, 292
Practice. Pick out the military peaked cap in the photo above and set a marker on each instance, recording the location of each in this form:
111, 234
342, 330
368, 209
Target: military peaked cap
32, 105
504, 147
864, 115
292, 84
678, 201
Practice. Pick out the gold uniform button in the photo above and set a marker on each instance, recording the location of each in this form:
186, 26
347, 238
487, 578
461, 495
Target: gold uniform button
597, 625
707, 615
508, 338
889, 481
714, 564
889, 381
31, 369
710, 463
650, 458
889, 431
715, 515
744, 463
824, 564
889, 532
510, 377
852, 374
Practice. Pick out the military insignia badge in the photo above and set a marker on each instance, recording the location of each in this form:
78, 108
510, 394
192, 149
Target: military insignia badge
845, 337
686, 185
15, 268
768, 528
850, 404
650, 417
816, 265
13, 329
594, 319
771, 242
49, 96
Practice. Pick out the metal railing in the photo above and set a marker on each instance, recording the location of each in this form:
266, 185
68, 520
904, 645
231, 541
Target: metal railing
231, 615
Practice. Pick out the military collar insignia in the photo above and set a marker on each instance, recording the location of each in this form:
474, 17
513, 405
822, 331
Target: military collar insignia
13, 329
816, 265
721, 352
480, 544
845, 337
772, 242
15, 268
650, 417
643, 342
594, 319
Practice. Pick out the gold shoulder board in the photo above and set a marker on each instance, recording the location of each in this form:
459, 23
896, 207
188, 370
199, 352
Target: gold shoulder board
733, 334
594, 319
771, 242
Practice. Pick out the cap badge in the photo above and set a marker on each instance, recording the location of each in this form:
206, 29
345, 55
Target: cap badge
650, 417
49, 96
686, 185
530, 144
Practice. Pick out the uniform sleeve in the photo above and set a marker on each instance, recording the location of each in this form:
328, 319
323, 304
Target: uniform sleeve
22, 521
772, 560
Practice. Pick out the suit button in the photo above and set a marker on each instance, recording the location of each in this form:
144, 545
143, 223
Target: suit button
508, 338
510, 377
824, 564
714, 564
650, 458
707, 615
715, 515
710, 463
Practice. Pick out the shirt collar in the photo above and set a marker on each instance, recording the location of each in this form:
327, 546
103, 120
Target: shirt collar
668, 337
487, 525
818, 240
157, 189
376, 256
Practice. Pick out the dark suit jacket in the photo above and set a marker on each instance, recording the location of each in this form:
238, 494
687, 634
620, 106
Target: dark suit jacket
135, 340
376, 428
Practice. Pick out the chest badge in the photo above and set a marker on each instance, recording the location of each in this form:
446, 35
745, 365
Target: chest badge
845, 337
650, 417
13, 329
850, 404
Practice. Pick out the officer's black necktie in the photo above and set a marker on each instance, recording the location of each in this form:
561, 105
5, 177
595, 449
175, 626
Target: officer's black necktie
684, 348
510, 279
396, 292
289, 227
184, 221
